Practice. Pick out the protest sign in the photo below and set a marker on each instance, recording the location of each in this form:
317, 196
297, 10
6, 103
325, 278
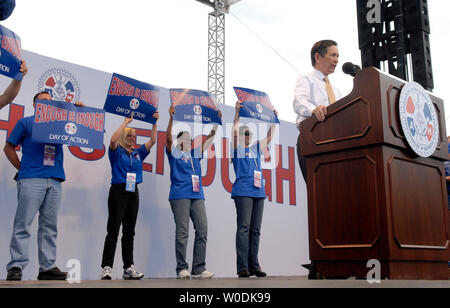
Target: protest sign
194, 106
10, 54
128, 97
256, 105
65, 123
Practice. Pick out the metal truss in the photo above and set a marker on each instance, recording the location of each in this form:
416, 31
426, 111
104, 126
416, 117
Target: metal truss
216, 55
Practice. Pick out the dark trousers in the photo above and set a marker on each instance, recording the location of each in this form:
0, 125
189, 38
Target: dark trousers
301, 160
123, 209
249, 219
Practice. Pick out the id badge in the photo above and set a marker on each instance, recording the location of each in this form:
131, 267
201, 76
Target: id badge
49, 155
195, 183
131, 182
257, 181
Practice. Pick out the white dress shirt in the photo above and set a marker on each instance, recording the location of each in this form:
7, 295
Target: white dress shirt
310, 93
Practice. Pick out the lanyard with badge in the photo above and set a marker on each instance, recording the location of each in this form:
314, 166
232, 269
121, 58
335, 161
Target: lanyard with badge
131, 177
49, 155
195, 178
257, 175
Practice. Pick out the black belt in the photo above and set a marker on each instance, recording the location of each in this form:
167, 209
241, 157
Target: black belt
122, 186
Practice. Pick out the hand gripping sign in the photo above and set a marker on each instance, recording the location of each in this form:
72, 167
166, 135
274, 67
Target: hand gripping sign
65, 123
194, 106
256, 105
10, 54
128, 97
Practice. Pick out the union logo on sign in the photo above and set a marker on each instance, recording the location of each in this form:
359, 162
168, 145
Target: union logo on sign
61, 85
259, 108
419, 119
134, 104
71, 128
197, 110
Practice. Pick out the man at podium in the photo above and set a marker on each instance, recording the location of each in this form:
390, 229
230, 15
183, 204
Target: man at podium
313, 94
313, 91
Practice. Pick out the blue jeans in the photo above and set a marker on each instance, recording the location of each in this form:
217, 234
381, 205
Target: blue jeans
36, 195
249, 219
182, 210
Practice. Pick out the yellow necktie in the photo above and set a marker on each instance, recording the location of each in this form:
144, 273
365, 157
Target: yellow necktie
330, 92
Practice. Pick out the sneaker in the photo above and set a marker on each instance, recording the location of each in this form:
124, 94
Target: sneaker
14, 274
204, 275
184, 275
244, 274
106, 273
132, 274
53, 274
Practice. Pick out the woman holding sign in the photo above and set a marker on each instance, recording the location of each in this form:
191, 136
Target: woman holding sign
187, 199
123, 201
248, 193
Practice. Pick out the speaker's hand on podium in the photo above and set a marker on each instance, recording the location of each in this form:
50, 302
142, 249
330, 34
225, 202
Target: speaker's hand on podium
320, 113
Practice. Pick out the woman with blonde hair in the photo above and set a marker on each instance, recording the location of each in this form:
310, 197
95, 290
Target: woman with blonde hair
123, 201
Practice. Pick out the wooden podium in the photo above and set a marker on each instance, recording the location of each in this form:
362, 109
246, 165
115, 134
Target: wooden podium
369, 195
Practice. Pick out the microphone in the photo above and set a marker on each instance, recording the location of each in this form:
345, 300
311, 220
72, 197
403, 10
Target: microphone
351, 69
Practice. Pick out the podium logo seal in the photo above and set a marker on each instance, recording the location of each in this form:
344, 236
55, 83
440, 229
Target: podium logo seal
419, 119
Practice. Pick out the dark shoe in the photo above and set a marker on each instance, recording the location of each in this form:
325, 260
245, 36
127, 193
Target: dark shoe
244, 274
259, 274
14, 274
313, 274
53, 274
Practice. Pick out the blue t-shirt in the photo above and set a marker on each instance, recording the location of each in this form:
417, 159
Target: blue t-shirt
39, 160
182, 166
245, 162
122, 162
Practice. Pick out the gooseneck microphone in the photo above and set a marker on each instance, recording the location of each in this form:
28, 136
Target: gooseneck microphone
350, 69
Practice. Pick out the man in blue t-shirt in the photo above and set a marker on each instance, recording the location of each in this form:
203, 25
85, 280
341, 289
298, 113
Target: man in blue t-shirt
39, 178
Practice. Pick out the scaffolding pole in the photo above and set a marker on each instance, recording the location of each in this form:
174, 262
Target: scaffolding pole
216, 55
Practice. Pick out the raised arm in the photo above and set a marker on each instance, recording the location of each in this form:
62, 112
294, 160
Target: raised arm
209, 140
114, 143
13, 89
169, 138
235, 129
153, 136
270, 132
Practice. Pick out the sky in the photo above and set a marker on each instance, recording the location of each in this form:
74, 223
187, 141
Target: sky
165, 42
